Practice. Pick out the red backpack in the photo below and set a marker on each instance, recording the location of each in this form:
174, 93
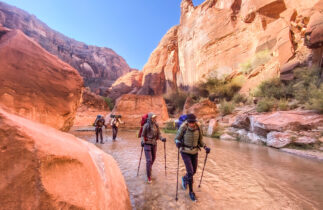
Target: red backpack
143, 122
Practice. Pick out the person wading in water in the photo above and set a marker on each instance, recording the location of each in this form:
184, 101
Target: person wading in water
150, 135
115, 125
189, 139
99, 123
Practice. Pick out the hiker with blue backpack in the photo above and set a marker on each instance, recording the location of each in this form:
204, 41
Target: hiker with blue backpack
189, 140
149, 135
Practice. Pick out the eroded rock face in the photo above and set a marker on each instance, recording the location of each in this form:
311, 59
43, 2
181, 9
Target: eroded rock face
130, 82
133, 107
204, 110
43, 168
36, 84
221, 38
159, 73
314, 32
91, 106
99, 66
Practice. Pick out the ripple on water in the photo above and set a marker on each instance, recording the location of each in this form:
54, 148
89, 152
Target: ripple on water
237, 176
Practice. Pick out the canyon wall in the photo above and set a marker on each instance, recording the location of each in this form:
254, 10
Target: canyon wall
99, 66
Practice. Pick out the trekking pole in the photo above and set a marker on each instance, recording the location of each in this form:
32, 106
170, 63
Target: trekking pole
203, 169
142, 148
177, 174
165, 156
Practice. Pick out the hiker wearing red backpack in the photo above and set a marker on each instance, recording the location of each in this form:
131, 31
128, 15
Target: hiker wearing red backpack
149, 136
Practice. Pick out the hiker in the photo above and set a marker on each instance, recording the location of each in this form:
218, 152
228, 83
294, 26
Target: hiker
150, 135
188, 140
99, 123
115, 122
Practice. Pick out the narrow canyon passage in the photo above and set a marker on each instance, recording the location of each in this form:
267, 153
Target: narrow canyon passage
237, 176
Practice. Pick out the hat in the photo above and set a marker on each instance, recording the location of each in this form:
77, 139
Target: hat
153, 116
191, 118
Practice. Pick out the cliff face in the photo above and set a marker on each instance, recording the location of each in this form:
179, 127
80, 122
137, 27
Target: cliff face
36, 84
225, 38
99, 66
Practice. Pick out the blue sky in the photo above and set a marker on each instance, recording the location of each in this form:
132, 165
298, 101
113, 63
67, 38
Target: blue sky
132, 28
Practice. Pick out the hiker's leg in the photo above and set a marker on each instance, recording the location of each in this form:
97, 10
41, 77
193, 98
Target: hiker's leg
148, 155
96, 134
101, 135
114, 132
189, 169
153, 153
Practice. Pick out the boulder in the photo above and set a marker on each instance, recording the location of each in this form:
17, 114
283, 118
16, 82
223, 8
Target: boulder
278, 139
36, 84
285, 120
227, 137
287, 70
91, 106
204, 110
132, 107
280, 121
43, 168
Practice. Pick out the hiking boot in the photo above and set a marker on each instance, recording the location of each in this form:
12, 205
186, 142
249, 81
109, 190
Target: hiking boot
184, 184
149, 180
192, 196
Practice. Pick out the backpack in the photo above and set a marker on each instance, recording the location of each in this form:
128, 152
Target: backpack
99, 123
181, 119
142, 123
96, 120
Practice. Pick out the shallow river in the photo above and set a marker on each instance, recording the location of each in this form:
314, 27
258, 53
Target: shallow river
237, 176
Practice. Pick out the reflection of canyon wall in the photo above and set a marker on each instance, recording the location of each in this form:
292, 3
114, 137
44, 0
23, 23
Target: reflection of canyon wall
99, 66
43, 168
220, 38
36, 84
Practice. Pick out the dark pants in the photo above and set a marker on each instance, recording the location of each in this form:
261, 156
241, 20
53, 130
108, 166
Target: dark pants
190, 162
150, 153
114, 132
98, 131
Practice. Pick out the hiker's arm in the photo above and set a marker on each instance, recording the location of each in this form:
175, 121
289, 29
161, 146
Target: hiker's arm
143, 133
201, 142
179, 135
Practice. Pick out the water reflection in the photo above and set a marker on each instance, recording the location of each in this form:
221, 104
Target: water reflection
237, 176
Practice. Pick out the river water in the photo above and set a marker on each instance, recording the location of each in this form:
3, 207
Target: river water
237, 176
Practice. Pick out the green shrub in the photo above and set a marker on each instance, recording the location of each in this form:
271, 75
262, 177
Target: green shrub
239, 98
109, 101
315, 101
265, 105
305, 84
226, 107
273, 88
177, 99
258, 59
283, 105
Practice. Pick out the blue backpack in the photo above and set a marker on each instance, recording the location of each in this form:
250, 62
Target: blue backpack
181, 119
